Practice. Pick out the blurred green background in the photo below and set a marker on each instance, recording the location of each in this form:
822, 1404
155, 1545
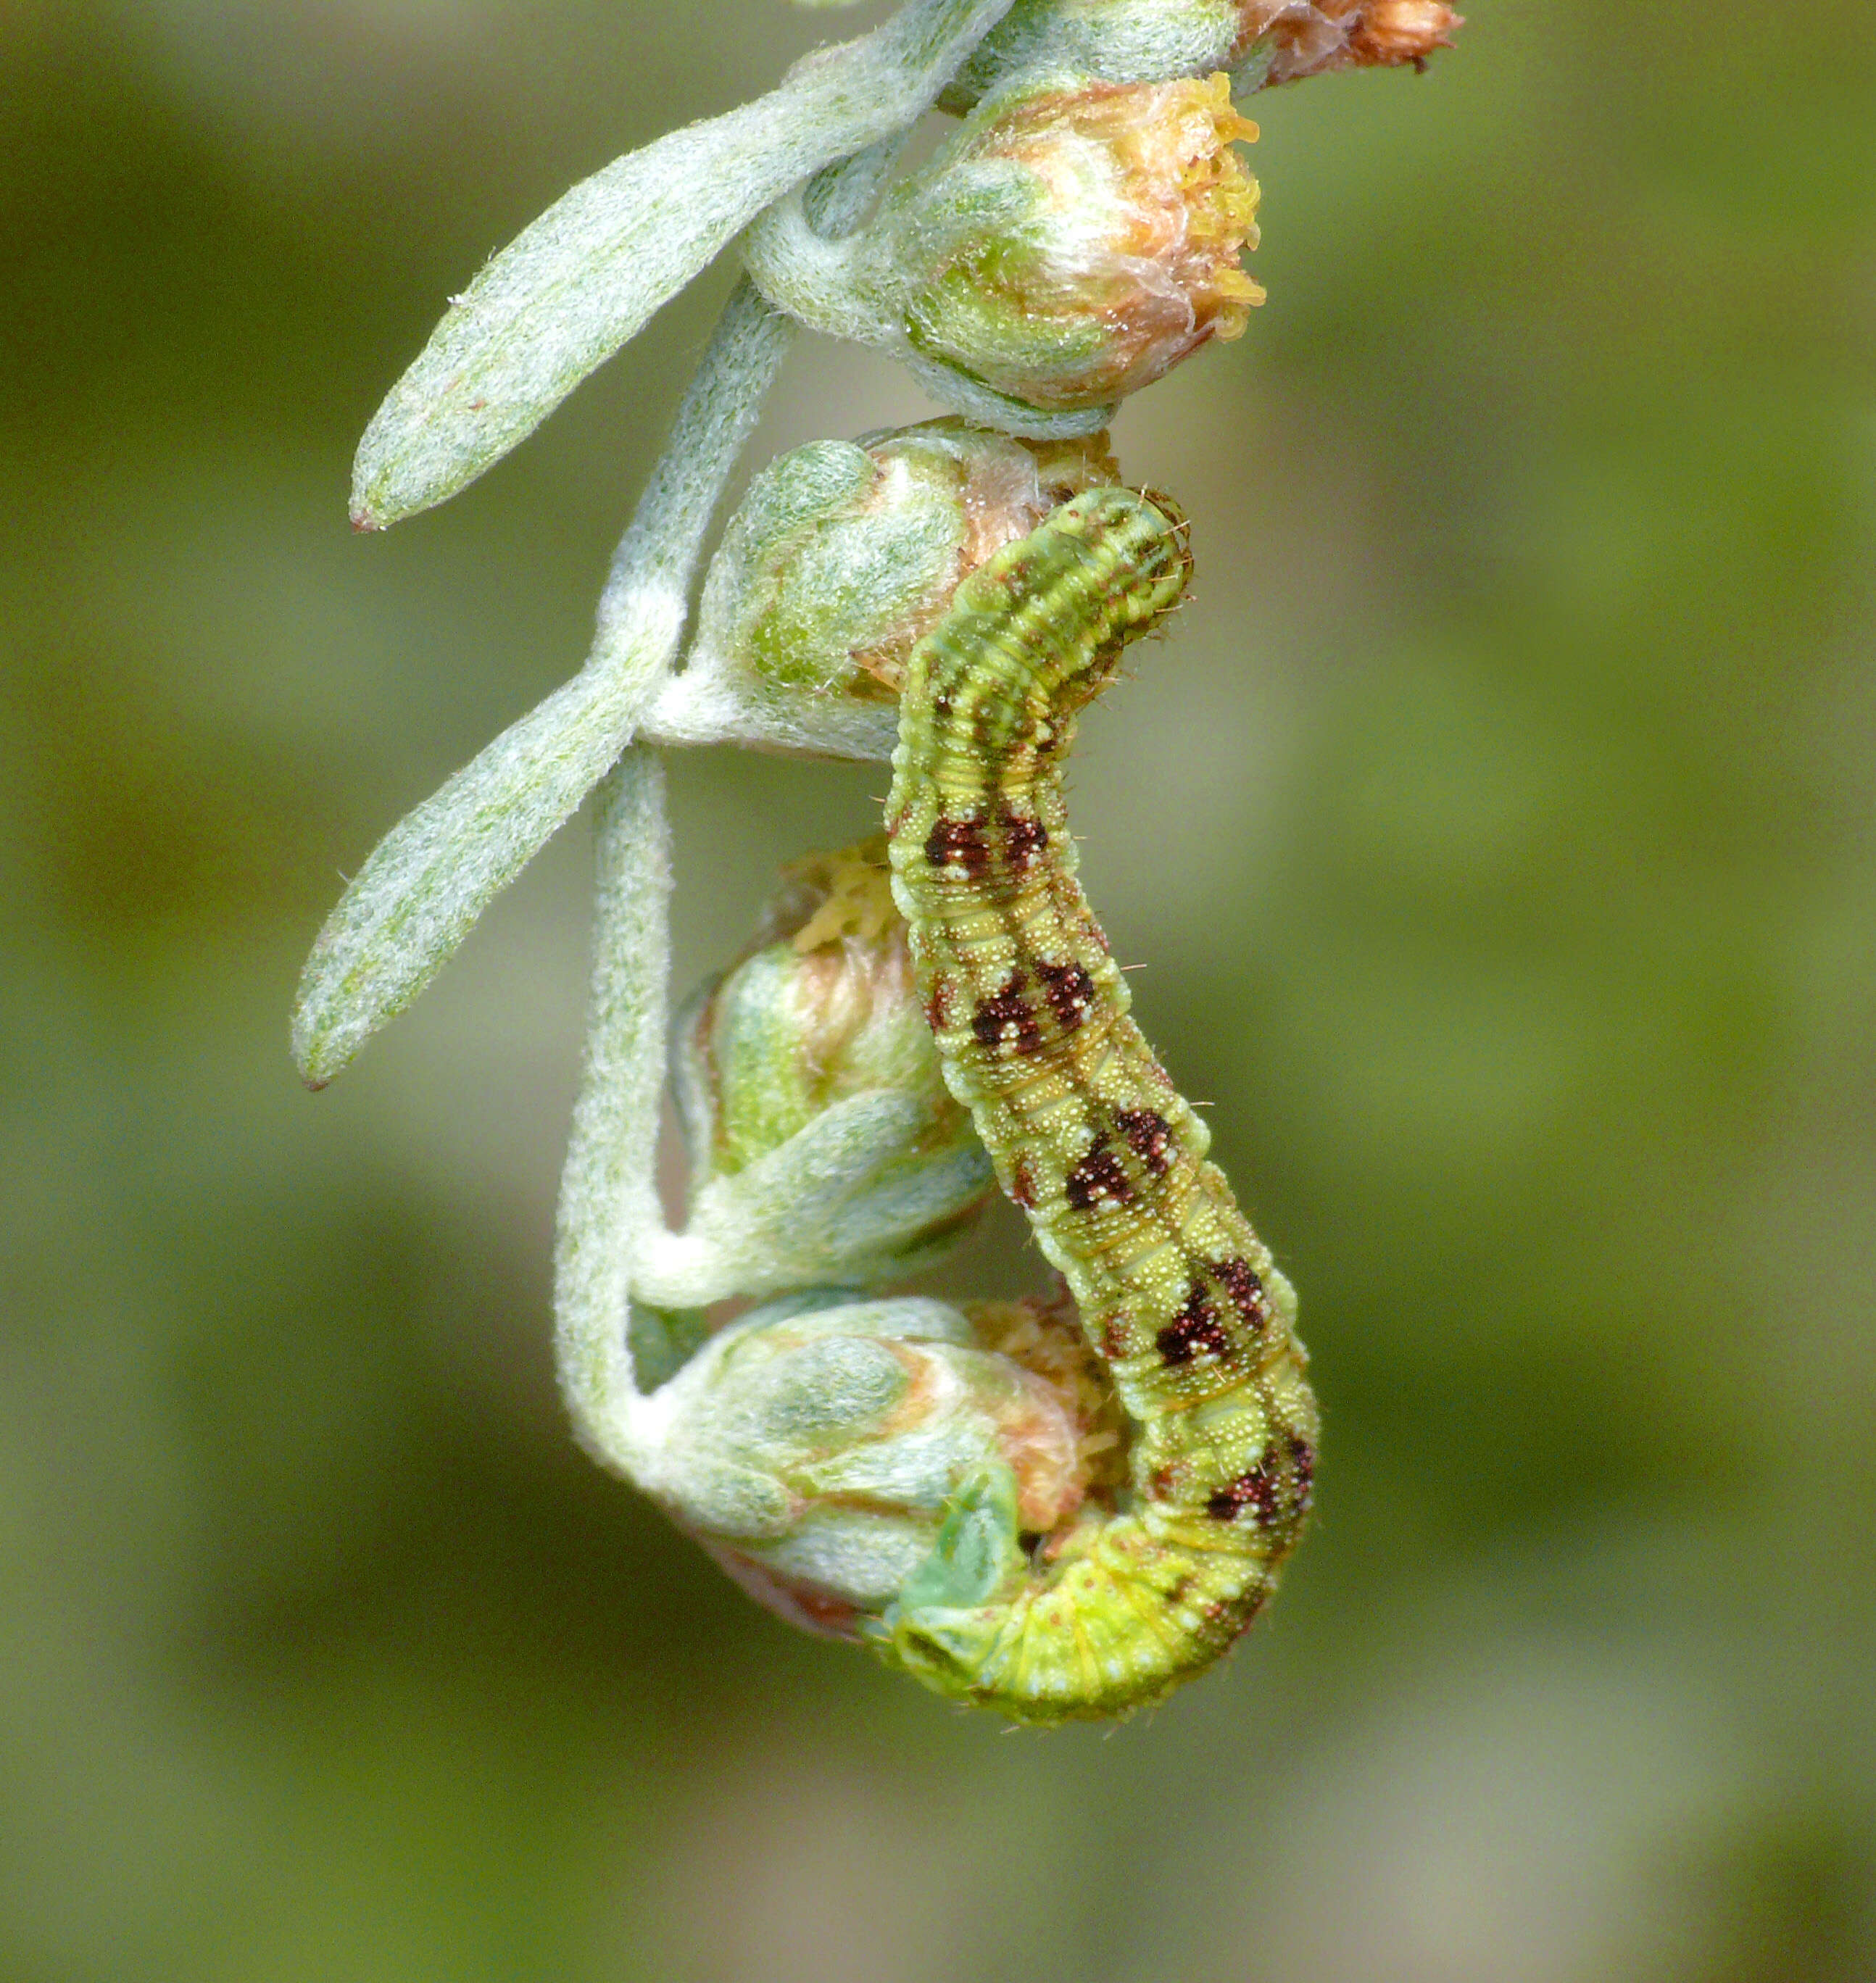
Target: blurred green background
1499, 830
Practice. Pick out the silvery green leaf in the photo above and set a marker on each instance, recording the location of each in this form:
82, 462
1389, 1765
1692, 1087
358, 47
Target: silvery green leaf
432, 876
579, 281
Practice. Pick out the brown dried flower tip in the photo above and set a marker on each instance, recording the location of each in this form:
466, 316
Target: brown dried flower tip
1307, 39
1391, 32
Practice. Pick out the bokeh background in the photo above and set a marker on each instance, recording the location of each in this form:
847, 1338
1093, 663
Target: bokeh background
1498, 830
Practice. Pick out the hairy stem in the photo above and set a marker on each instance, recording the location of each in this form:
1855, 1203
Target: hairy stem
609, 1205
427, 882
608, 1190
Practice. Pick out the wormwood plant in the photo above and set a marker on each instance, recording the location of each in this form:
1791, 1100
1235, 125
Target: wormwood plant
1057, 1507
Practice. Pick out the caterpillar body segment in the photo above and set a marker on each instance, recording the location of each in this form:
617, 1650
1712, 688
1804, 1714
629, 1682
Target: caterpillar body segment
1176, 1293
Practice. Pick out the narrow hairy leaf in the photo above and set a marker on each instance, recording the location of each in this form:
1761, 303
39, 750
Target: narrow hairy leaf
422, 890
578, 283
432, 876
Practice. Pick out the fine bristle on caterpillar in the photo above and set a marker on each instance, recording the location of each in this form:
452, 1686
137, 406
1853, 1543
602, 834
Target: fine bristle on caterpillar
1175, 1292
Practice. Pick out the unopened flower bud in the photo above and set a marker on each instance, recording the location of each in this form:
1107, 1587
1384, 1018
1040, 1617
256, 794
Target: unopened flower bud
840, 557
814, 1445
1074, 241
824, 1146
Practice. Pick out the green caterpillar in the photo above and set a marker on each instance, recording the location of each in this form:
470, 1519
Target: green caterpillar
1176, 1291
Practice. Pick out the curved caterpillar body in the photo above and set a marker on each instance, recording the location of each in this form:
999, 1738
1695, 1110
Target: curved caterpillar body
1176, 1293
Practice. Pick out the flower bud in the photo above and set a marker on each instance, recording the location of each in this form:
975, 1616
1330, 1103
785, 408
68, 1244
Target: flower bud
824, 1146
813, 1446
1074, 241
841, 557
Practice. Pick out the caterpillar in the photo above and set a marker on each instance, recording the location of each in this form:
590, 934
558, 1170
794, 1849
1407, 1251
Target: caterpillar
1175, 1292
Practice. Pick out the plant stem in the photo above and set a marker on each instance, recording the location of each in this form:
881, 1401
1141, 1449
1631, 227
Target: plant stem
608, 1190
